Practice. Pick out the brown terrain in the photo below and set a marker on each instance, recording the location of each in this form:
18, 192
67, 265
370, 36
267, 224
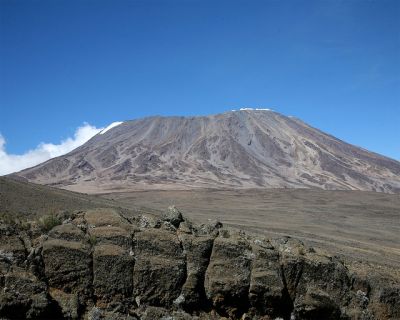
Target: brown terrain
359, 226
273, 181
27, 201
238, 149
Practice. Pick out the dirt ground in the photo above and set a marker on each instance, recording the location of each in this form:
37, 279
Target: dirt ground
361, 227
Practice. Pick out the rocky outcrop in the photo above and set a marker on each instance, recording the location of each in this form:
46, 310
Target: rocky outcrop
101, 265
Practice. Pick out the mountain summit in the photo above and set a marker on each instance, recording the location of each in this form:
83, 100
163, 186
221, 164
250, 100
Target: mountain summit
248, 148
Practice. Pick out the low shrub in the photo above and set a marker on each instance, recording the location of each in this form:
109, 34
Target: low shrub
92, 240
47, 223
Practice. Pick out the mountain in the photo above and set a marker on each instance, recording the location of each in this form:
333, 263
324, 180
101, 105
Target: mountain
249, 148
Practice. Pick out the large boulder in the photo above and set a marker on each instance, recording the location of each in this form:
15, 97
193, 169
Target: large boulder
173, 216
68, 303
227, 278
12, 248
268, 294
160, 268
384, 298
112, 272
323, 287
67, 265
107, 226
68, 232
23, 296
111, 235
105, 217
198, 252
318, 285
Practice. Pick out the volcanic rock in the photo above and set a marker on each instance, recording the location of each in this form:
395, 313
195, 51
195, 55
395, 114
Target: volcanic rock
152, 271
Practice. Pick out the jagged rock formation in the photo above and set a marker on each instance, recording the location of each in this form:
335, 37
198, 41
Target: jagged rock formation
240, 149
100, 264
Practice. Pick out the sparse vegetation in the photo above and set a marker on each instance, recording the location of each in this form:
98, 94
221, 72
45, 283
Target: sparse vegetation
46, 223
7, 218
20, 223
29, 201
92, 240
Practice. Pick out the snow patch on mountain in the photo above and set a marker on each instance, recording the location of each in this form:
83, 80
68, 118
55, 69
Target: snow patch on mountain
112, 125
254, 109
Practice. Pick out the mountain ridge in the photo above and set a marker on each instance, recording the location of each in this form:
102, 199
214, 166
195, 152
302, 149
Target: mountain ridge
248, 148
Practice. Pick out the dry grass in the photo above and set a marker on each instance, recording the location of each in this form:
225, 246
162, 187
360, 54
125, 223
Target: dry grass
359, 226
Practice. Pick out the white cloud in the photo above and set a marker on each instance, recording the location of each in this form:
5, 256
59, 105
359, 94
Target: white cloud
44, 151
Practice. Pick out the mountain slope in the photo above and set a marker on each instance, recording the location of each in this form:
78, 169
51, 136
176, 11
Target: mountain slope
238, 149
20, 199
23, 199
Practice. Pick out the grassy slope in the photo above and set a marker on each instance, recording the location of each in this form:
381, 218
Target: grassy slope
27, 200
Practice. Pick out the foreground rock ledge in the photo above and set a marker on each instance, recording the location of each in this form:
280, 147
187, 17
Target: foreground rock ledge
101, 265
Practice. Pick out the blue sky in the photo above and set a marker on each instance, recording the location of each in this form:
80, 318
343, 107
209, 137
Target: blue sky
334, 64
